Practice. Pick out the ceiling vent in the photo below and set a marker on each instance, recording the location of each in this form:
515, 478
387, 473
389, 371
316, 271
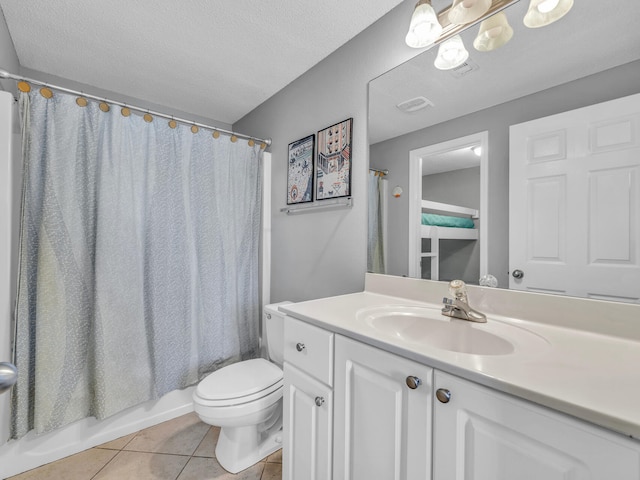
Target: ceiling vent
414, 104
467, 67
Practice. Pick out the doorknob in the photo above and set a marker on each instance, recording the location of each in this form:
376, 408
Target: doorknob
517, 274
8, 376
413, 382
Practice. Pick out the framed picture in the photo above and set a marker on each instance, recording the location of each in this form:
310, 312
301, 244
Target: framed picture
333, 163
300, 170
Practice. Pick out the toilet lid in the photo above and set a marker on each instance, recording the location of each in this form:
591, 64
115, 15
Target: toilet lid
239, 380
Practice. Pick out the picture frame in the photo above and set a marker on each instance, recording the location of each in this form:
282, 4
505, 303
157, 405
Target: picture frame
333, 161
300, 170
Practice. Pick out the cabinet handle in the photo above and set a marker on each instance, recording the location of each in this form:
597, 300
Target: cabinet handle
518, 274
413, 382
300, 347
443, 395
319, 401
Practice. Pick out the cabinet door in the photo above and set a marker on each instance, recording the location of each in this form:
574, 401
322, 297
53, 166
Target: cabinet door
308, 406
482, 434
382, 427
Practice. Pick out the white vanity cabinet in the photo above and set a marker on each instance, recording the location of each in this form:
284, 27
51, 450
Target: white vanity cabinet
483, 434
382, 414
308, 401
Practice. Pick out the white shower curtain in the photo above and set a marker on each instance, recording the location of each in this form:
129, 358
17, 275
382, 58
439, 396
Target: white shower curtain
139, 260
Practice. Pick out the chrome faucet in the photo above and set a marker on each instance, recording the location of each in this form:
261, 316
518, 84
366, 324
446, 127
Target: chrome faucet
458, 306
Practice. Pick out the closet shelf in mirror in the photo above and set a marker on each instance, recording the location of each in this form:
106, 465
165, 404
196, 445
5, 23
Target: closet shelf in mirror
333, 204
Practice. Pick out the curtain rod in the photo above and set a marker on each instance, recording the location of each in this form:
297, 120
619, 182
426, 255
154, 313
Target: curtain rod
5, 74
384, 172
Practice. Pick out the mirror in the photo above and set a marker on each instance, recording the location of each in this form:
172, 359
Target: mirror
591, 55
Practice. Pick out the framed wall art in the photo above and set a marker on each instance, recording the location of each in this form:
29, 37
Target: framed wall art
300, 171
333, 163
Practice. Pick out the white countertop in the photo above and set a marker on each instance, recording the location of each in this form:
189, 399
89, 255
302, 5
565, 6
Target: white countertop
581, 372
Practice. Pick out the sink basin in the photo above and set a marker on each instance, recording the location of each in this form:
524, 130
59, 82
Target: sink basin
427, 326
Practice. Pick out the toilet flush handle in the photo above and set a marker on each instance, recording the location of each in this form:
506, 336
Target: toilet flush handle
300, 347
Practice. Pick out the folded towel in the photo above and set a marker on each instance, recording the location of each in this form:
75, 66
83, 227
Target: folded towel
446, 221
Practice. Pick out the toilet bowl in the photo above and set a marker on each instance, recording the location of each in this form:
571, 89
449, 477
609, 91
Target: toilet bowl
245, 400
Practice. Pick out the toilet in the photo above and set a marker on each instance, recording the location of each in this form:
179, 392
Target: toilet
245, 400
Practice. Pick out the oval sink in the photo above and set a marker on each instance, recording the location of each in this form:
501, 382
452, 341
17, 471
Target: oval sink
427, 326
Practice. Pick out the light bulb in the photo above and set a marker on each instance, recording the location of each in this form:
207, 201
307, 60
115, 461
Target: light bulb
425, 27
451, 54
547, 5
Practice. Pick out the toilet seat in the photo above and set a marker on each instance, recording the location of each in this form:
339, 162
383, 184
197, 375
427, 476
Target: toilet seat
239, 383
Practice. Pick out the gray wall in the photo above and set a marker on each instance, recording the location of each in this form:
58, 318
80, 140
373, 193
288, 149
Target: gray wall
324, 253
8, 57
459, 259
601, 87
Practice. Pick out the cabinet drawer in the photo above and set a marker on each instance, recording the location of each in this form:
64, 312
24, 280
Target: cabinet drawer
309, 348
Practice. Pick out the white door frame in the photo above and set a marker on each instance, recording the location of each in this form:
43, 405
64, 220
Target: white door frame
415, 195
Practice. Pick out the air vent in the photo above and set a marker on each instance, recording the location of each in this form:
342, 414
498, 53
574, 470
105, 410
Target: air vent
464, 69
414, 104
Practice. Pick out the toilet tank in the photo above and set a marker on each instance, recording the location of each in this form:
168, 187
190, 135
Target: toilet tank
274, 331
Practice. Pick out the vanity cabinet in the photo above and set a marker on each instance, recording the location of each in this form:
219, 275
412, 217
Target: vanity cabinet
483, 434
357, 412
308, 401
382, 414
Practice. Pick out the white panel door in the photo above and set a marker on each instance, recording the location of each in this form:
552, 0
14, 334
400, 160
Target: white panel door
481, 434
574, 202
382, 426
307, 429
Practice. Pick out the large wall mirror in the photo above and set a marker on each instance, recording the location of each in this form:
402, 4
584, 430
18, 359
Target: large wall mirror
442, 136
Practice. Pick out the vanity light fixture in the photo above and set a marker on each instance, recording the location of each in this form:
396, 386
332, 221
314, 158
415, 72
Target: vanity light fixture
544, 12
451, 54
466, 11
425, 27
494, 32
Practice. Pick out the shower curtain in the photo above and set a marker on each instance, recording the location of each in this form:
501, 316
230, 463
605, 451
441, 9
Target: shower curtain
375, 250
138, 260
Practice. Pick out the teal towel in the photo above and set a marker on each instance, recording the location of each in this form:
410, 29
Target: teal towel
446, 221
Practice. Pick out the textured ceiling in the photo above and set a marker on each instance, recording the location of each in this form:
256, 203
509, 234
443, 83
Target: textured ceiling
592, 37
217, 59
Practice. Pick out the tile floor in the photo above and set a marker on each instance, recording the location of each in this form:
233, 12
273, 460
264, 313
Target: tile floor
179, 449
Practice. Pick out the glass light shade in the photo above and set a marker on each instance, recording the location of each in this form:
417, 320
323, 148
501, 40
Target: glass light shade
466, 11
494, 32
425, 27
451, 54
544, 12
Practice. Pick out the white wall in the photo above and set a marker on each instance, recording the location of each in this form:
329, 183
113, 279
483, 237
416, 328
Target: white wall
324, 253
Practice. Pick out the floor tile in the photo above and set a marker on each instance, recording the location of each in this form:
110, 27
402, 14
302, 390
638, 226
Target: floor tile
275, 457
201, 468
118, 443
272, 471
180, 436
208, 445
81, 466
142, 466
